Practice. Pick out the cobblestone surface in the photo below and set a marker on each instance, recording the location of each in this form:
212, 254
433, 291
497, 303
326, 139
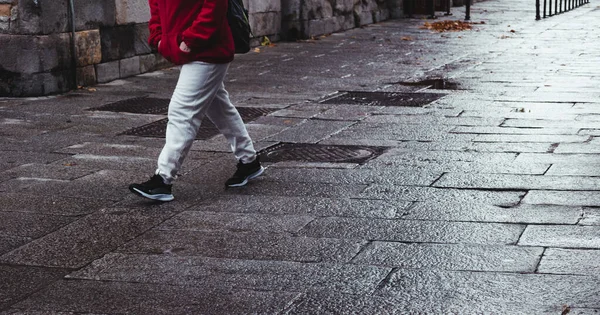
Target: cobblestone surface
484, 201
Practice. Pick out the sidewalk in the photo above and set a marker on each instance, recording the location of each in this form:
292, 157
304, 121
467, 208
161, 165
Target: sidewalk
484, 199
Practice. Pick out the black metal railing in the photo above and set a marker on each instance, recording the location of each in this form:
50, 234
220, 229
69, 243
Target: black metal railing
551, 7
430, 8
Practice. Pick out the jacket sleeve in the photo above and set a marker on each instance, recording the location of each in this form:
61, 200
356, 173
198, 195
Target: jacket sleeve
206, 25
154, 24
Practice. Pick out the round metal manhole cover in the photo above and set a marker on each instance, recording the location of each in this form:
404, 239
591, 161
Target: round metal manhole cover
319, 153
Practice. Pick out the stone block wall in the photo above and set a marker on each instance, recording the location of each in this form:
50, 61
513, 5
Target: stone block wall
110, 39
305, 18
35, 44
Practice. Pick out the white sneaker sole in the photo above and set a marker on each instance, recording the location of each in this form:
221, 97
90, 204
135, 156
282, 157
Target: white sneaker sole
251, 176
159, 197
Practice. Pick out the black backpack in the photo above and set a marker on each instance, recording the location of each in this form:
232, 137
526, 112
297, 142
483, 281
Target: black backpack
237, 16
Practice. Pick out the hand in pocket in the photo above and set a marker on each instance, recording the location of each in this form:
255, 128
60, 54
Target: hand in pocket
184, 47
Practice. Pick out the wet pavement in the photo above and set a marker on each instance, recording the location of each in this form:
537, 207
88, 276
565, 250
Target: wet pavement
484, 199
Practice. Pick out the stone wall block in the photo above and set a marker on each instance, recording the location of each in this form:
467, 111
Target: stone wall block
106, 72
35, 84
140, 45
344, 6
88, 47
129, 67
316, 9
5, 9
132, 11
55, 51
258, 6
93, 14
118, 42
86, 76
267, 23
4, 24
153, 62
41, 17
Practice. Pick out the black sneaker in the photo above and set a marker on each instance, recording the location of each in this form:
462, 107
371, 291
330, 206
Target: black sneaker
244, 173
154, 189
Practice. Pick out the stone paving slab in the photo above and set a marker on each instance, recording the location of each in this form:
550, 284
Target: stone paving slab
18, 281
414, 231
50, 205
30, 224
310, 132
417, 193
107, 297
313, 206
568, 236
485, 212
229, 221
493, 290
62, 170
285, 188
518, 182
77, 244
574, 159
531, 138
567, 198
244, 245
10, 242
570, 262
229, 273
451, 257
415, 302
515, 131
387, 176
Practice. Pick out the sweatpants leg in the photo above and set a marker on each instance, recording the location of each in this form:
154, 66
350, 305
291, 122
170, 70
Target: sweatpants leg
227, 119
196, 88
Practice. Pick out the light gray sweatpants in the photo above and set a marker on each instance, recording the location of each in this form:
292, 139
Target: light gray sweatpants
200, 92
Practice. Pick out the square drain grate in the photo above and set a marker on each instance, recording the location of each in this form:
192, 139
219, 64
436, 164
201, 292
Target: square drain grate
207, 129
138, 105
320, 153
384, 99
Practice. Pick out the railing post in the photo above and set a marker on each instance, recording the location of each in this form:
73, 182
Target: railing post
544, 8
448, 4
537, 10
431, 8
468, 14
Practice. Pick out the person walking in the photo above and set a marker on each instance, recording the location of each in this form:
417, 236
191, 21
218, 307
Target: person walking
196, 35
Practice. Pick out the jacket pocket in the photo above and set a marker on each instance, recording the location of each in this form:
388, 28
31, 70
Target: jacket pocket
169, 48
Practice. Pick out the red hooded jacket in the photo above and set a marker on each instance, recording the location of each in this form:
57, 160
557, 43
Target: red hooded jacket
201, 24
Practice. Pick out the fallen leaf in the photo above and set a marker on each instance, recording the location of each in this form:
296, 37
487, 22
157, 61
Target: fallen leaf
406, 38
92, 90
512, 31
70, 164
257, 49
448, 26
